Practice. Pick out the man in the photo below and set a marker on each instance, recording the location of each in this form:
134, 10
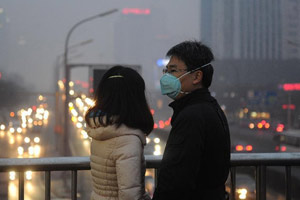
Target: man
196, 160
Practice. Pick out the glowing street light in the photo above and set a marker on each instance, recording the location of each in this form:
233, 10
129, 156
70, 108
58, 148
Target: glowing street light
67, 74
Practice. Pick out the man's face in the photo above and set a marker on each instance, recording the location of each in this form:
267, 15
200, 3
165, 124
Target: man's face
177, 68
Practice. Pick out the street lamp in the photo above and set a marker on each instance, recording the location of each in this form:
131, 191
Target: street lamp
59, 59
67, 75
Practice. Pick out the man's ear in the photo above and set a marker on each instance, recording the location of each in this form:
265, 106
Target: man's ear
197, 77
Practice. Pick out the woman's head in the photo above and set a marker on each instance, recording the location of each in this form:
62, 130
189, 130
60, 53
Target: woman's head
121, 93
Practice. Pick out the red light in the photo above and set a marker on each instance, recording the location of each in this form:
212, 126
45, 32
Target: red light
161, 124
277, 148
12, 114
283, 148
239, 148
267, 125
84, 85
292, 106
263, 122
284, 106
136, 11
155, 125
279, 129
33, 108
91, 90
289, 106
259, 125
249, 148
152, 111
91, 79
167, 123
287, 87
291, 86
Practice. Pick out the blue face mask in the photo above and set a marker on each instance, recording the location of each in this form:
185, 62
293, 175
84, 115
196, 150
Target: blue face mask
170, 85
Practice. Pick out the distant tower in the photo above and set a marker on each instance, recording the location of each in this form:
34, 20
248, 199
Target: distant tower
4, 33
251, 30
291, 29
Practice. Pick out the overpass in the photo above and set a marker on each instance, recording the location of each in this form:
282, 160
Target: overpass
258, 160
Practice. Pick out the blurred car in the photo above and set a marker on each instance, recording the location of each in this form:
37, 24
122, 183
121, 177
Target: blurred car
259, 125
13, 175
155, 145
288, 140
245, 187
30, 147
241, 147
14, 125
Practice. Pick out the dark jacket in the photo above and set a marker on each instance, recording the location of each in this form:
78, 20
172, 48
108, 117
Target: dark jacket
196, 160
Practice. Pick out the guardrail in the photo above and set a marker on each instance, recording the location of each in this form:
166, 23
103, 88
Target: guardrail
73, 164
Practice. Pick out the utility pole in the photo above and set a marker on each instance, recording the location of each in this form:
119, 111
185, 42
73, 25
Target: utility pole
67, 76
289, 113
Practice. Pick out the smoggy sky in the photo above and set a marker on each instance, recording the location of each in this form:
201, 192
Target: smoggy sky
33, 34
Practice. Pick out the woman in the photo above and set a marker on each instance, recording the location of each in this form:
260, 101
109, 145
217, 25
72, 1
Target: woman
118, 125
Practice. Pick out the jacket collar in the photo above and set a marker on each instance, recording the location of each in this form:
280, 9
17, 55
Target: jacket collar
98, 132
197, 96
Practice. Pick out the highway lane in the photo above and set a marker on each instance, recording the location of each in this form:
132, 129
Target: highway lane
10, 142
263, 142
34, 187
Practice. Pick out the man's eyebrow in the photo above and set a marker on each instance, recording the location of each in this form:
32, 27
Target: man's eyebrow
171, 66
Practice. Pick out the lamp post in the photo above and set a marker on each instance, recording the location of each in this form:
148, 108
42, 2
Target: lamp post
67, 76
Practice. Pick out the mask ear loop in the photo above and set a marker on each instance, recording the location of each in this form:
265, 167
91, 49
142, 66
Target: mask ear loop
182, 92
183, 75
199, 68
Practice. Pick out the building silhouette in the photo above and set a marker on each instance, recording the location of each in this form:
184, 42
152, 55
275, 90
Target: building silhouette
251, 30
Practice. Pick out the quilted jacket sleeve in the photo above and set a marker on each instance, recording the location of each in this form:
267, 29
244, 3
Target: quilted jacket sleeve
130, 169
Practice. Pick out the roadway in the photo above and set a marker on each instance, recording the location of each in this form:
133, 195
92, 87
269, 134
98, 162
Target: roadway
49, 146
10, 145
261, 141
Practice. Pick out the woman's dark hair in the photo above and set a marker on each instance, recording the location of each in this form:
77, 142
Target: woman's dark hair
195, 54
120, 99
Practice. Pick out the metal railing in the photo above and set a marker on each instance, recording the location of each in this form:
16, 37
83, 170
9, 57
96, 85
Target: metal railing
259, 160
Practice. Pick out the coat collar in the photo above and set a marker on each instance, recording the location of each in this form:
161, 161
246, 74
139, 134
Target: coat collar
197, 96
102, 133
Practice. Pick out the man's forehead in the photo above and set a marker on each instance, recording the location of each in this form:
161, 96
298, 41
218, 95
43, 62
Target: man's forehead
175, 62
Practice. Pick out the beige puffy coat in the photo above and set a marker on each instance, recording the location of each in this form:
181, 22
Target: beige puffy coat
117, 163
